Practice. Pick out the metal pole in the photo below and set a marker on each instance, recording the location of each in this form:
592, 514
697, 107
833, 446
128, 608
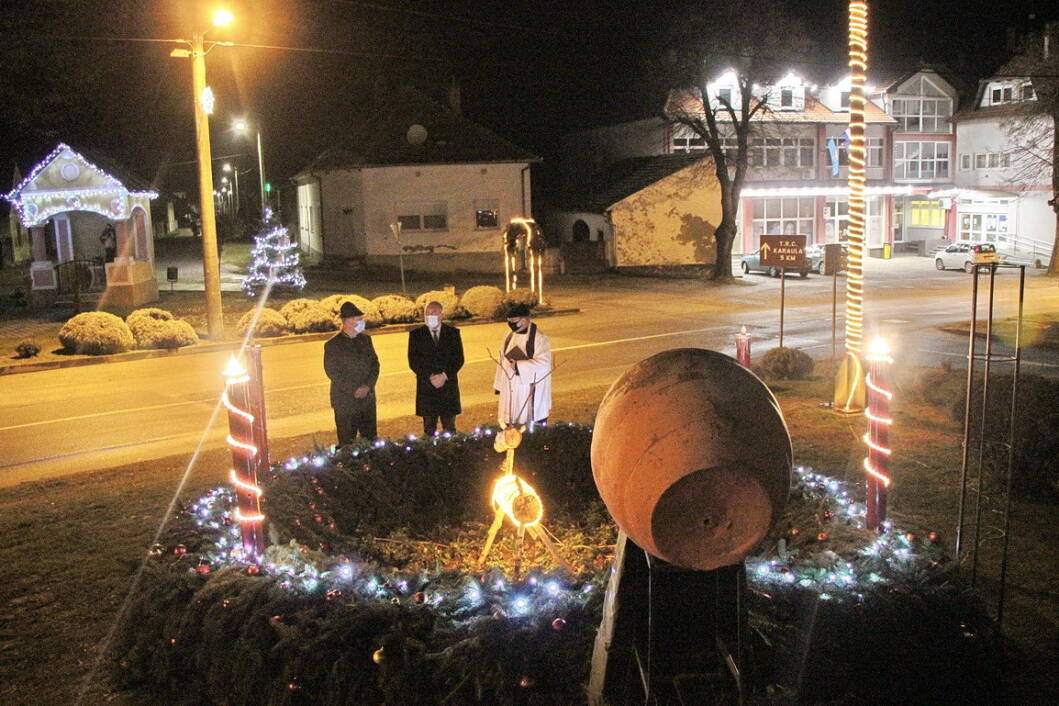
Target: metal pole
261, 171
967, 413
982, 424
257, 394
1011, 451
834, 315
235, 170
879, 437
783, 299
211, 267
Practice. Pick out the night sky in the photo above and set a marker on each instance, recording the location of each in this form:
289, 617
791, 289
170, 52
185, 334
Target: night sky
529, 69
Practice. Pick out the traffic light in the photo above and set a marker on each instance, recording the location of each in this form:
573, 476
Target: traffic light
268, 187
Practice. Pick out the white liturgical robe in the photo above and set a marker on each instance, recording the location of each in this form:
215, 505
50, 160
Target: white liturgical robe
525, 386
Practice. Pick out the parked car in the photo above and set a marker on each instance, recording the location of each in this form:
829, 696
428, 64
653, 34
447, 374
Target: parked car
752, 263
815, 255
966, 255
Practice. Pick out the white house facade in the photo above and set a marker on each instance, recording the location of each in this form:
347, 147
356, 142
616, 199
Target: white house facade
450, 185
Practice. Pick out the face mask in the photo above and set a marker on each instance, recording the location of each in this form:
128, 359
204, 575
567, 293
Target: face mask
433, 322
359, 327
514, 326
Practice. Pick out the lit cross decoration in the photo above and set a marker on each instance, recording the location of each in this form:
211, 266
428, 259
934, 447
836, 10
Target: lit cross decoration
877, 438
243, 475
516, 499
523, 234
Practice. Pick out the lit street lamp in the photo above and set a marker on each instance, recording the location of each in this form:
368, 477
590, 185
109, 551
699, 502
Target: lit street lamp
242, 126
203, 102
235, 172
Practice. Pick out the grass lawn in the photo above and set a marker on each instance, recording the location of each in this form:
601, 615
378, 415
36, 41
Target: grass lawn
1037, 330
73, 543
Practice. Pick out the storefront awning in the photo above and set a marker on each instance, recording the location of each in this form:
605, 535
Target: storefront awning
973, 194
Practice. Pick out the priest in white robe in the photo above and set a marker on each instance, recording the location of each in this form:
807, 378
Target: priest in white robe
523, 377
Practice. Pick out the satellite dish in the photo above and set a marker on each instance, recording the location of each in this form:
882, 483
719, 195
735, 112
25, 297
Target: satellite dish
416, 135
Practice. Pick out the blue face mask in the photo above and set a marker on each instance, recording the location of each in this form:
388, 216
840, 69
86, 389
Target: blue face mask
433, 321
359, 327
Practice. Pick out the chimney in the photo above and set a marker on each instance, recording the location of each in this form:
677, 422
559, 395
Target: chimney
454, 97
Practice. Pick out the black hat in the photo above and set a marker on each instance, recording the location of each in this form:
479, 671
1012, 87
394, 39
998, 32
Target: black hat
517, 311
349, 310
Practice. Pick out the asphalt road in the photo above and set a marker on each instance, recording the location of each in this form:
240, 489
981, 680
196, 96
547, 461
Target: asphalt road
86, 418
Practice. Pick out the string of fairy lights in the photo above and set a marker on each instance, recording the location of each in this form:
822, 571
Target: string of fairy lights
879, 396
858, 68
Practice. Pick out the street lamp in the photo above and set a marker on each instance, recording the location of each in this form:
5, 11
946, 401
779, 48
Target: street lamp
235, 172
242, 126
203, 102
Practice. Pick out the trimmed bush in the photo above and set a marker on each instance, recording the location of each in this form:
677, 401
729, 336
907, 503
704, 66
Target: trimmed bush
270, 323
448, 300
26, 349
333, 303
157, 328
482, 301
96, 333
786, 364
396, 309
307, 316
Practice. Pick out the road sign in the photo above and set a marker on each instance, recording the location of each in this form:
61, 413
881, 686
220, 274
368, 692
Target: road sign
783, 251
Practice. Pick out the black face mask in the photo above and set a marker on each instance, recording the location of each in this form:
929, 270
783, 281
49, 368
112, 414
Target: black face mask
513, 325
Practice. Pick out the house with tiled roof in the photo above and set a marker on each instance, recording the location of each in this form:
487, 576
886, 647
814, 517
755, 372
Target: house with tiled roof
413, 177
1003, 182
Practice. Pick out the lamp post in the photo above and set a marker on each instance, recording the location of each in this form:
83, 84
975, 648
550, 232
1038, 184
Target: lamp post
235, 176
242, 126
203, 101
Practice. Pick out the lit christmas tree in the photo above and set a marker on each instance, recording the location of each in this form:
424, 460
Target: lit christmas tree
274, 257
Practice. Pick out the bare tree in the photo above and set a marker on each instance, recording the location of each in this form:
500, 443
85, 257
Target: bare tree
759, 43
1033, 127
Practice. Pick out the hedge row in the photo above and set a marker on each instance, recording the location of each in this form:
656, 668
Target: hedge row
100, 333
310, 315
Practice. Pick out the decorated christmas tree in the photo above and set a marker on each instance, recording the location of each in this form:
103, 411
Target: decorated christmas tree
274, 257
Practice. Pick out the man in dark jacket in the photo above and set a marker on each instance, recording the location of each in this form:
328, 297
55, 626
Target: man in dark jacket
435, 355
351, 364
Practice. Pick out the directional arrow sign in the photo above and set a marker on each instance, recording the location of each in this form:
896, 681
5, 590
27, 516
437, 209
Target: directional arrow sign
786, 251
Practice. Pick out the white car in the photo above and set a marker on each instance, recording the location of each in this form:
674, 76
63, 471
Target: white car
965, 255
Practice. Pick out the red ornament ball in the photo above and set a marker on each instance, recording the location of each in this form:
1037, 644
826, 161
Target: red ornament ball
203, 569
157, 550
419, 597
558, 624
933, 536
378, 656
795, 531
253, 570
822, 537
333, 594
226, 520
911, 537
180, 549
527, 682
828, 514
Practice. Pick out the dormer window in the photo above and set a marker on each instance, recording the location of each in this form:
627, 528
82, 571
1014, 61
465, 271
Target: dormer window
843, 100
724, 96
1002, 94
1027, 91
786, 98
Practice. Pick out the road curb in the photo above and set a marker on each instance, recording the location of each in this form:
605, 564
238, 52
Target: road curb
233, 345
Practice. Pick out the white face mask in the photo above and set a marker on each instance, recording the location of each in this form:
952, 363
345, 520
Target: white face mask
359, 327
433, 321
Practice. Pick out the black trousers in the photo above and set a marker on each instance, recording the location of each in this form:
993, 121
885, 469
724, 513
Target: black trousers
356, 420
430, 423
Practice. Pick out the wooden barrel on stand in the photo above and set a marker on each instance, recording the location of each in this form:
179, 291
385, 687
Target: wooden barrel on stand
692, 457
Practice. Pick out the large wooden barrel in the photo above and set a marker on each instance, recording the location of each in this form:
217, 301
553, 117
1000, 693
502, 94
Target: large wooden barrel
692, 457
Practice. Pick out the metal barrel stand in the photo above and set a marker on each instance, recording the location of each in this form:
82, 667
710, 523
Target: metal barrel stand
689, 645
999, 502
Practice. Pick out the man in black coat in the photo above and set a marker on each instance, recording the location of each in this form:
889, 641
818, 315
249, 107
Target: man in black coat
353, 367
435, 355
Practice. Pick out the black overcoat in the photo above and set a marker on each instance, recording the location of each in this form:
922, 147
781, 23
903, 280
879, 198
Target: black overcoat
426, 358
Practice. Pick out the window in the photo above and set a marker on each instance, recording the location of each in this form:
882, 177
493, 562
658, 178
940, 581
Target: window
784, 217
984, 226
1027, 91
965, 162
994, 160
724, 96
688, 144
980, 161
921, 160
927, 214
486, 213
843, 99
422, 215
874, 148
786, 98
1002, 94
776, 151
922, 114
